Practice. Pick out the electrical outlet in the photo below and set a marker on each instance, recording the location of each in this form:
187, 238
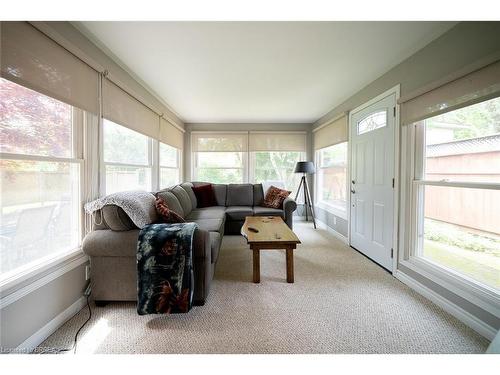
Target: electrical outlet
87, 272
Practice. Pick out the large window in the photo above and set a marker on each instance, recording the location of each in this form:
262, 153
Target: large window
456, 189
331, 178
219, 158
40, 178
169, 165
127, 159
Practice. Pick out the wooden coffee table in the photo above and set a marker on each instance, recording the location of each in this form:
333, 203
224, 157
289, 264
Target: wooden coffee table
273, 234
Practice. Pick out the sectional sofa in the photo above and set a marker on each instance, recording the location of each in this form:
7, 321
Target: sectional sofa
112, 243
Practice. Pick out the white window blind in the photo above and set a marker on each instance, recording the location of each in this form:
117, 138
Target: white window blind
282, 141
171, 135
471, 88
122, 108
219, 142
331, 134
31, 59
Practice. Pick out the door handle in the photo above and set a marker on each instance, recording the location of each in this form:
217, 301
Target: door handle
353, 191
353, 182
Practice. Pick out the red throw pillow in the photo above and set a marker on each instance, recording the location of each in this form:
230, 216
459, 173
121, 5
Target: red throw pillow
167, 215
205, 195
275, 197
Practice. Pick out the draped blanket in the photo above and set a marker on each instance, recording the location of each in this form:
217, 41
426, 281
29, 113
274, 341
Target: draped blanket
165, 279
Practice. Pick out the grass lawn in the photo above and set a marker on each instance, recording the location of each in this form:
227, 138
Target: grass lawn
484, 267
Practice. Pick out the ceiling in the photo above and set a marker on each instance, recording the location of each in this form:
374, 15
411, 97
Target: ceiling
251, 72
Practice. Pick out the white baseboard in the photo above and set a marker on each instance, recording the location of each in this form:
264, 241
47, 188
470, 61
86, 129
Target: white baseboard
330, 230
465, 317
48, 329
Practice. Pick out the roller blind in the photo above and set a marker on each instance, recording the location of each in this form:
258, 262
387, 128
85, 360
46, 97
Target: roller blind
472, 88
170, 135
219, 142
331, 134
120, 107
33, 60
273, 141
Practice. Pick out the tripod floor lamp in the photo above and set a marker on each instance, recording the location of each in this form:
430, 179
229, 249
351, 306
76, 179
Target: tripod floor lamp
305, 167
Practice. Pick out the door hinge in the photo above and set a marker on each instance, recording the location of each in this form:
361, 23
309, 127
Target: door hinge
394, 111
393, 183
392, 253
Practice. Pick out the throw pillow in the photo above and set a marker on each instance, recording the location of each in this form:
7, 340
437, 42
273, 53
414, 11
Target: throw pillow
205, 195
166, 214
275, 197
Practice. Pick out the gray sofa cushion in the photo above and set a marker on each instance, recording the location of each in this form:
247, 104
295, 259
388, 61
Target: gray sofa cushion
171, 201
184, 199
239, 195
215, 212
210, 225
265, 211
116, 219
238, 212
108, 243
258, 195
188, 187
215, 239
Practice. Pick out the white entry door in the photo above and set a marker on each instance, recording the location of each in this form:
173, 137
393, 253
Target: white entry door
372, 180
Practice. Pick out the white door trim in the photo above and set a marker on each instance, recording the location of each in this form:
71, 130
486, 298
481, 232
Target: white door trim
396, 90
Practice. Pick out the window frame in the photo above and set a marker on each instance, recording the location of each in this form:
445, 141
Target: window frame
178, 166
413, 152
333, 209
79, 125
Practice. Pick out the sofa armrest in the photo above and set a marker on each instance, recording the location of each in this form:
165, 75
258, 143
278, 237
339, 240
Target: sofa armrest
289, 206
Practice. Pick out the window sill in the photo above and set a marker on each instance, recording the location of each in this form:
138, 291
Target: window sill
332, 209
39, 274
482, 296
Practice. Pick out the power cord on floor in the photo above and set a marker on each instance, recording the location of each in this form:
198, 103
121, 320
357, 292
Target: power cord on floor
87, 294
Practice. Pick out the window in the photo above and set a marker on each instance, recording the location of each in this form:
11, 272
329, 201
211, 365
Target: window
219, 158
127, 159
169, 165
277, 166
372, 122
331, 178
457, 192
40, 178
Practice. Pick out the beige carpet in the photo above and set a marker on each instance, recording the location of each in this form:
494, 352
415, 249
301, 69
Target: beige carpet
340, 302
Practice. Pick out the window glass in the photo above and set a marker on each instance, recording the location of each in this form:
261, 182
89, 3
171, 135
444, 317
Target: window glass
124, 146
372, 122
331, 176
464, 145
121, 178
40, 200
461, 231
277, 166
32, 123
168, 156
220, 176
220, 159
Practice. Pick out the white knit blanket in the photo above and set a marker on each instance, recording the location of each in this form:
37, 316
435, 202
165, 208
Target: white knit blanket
138, 205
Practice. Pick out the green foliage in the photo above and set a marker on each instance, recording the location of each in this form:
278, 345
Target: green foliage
454, 235
481, 119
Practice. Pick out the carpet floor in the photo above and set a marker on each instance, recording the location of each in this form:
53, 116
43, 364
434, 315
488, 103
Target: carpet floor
341, 302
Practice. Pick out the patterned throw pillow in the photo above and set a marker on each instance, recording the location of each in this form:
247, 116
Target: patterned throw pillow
275, 197
166, 214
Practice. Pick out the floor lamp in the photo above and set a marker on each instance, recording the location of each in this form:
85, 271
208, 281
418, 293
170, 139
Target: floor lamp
306, 167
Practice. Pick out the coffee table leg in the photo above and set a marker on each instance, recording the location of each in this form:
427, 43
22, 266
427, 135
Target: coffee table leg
256, 265
289, 265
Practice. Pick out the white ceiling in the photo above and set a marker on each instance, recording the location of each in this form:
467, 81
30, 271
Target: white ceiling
259, 71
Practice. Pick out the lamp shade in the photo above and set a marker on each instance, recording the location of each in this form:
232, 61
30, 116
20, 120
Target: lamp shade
305, 167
